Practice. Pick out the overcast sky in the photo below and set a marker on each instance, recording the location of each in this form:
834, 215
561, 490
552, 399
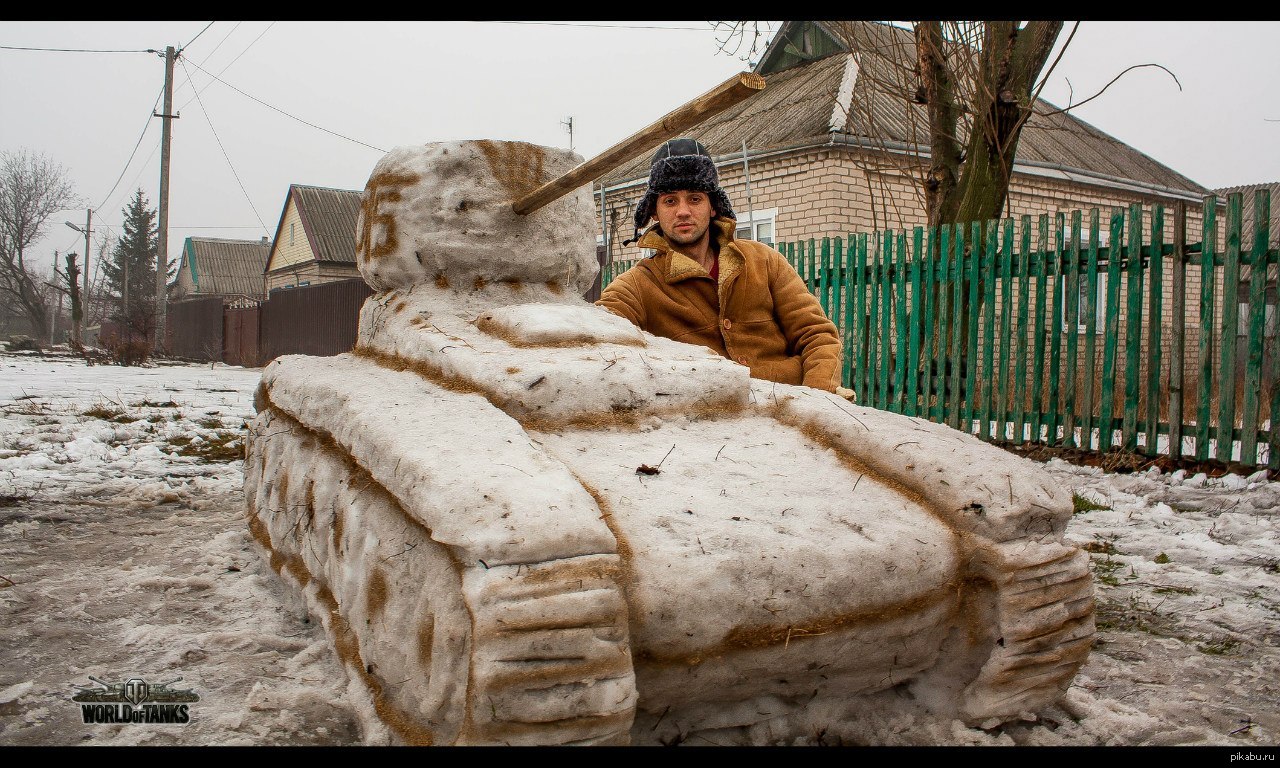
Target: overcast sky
366, 87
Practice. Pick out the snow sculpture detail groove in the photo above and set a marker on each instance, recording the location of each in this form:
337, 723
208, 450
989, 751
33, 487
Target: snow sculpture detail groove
459, 502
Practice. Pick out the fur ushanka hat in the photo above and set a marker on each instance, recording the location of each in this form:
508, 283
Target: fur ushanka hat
682, 164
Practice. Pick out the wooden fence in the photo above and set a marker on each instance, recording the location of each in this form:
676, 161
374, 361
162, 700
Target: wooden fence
1025, 364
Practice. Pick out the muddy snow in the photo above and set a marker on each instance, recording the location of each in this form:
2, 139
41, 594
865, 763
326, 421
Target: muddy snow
124, 554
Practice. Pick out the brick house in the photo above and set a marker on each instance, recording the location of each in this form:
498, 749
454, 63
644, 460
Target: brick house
1247, 222
834, 141
315, 241
834, 145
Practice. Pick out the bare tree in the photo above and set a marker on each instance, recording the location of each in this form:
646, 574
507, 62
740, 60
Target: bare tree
969, 180
101, 303
954, 94
68, 282
32, 189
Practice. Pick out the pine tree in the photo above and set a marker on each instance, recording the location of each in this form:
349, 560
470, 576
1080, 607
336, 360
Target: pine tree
135, 254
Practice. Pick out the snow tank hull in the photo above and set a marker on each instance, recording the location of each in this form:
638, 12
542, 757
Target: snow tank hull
523, 521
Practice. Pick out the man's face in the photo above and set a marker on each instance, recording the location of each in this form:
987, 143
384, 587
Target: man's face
684, 216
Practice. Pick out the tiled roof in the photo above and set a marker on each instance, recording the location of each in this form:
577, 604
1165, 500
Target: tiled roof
227, 267
329, 216
799, 103
794, 108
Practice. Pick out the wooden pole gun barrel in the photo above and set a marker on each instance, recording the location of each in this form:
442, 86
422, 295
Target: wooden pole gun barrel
732, 91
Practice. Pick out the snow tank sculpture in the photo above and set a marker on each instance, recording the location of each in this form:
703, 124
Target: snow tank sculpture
522, 520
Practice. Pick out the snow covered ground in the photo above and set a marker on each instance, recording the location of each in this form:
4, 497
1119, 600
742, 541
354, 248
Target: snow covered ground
124, 554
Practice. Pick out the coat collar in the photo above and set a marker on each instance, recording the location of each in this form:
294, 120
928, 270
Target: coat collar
682, 267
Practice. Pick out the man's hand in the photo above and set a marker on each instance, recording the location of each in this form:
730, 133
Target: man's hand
847, 394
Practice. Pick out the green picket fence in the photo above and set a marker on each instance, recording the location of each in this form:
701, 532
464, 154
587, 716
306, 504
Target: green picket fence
1110, 369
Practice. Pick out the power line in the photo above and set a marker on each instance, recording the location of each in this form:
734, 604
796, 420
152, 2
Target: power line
228, 66
209, 55
281, 111
71, 50
224, 150
144, 165
600, 26
197, 37
150, 114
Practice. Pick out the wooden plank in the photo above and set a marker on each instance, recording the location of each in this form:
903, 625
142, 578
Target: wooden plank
1055, 340
824, 278
989, 389
958, 265
915, 322
1132, 330
1106, 406
1037, 386
971, 331
1257, 317
863, 338
800, 262
927, 330
938, 375
937, 312
870, 246
900, 323
1273, 436
1006, 320
1177, 328
1090, 331
886, 301
1024, 302
1072, 296
874, 343
846, 333
838, 271
1155, 324
1209, 244
732, 91
1228, 331
811, 266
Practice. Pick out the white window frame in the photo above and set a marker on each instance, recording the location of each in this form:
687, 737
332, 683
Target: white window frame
752, 220
1100, 301
1268, 320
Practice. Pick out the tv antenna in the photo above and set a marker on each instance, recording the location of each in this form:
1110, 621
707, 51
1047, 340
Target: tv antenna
568, 123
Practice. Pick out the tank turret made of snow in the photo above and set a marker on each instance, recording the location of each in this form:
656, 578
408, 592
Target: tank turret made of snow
522, 520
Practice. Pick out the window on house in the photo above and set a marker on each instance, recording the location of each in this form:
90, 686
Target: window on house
1082, 286
291, 233
757, 225
1082, 305
1268, 322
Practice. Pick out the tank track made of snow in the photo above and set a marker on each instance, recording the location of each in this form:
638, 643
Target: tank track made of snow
521, 520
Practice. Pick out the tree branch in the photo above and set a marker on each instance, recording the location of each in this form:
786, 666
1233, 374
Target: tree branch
1108, 85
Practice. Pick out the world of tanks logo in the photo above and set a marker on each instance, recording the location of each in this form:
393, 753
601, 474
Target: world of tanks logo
134, 701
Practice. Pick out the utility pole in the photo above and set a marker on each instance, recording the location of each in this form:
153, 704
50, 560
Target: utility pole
88, 227
162, 247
